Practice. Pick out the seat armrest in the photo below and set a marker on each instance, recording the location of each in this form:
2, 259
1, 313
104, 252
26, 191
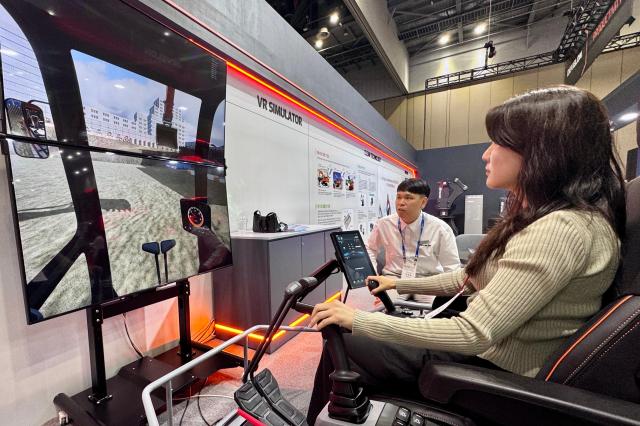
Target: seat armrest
501, 397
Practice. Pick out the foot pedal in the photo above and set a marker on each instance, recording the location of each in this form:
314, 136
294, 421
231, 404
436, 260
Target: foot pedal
268, 386
252, 403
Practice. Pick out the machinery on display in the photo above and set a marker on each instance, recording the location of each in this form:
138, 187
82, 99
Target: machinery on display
448, 193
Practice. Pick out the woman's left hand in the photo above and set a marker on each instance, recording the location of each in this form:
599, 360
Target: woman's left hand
334, 312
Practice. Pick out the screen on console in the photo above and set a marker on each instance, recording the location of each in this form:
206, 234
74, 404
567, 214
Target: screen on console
353, 257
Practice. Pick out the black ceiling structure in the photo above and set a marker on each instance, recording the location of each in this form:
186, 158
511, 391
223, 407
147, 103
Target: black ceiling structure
420, 23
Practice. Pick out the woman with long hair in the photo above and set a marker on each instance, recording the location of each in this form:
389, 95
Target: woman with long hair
537, 276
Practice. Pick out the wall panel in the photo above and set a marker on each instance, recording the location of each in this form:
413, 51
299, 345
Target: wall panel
479, 104
456, 117
551, 75
626, 139
392, 111
606, 74
428, 114
630, 63
525, 81
585, 80
501, 90
459, 117
417, 123
439, 119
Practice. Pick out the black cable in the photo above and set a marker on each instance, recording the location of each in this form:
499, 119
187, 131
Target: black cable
203, 332
197, 333
133, 345
198, 402
185, 407
209, 332
346, 293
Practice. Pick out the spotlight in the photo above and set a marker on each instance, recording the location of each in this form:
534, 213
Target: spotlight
491, 50
444, 39
318, 44
334, 18
480, 28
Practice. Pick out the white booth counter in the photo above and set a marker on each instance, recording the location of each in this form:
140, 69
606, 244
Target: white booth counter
250, 292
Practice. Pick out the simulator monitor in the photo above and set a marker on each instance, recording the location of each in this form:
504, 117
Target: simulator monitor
353, 258
112, 132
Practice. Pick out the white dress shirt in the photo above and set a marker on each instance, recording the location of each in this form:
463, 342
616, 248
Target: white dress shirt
437, 246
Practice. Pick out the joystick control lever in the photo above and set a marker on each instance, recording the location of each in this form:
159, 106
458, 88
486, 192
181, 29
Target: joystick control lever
383, 296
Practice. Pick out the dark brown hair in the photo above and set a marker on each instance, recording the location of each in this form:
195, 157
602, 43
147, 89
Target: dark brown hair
563, 135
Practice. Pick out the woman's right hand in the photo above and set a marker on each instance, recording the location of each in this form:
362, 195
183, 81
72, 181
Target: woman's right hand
386, 283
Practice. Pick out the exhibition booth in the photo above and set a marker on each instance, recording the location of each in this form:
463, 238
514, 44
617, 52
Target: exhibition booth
174, 208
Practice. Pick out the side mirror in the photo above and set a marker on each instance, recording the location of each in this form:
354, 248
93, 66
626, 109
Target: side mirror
26, 119
30, 150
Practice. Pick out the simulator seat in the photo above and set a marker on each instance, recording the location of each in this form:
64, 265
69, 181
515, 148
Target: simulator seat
594, 378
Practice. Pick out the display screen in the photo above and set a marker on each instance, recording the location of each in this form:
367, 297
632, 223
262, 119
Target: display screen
353, 257
114, 149
93, 224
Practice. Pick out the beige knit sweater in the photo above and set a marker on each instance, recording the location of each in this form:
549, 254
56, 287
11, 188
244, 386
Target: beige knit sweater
548, 282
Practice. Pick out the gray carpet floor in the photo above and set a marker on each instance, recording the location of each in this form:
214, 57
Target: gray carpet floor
293, 365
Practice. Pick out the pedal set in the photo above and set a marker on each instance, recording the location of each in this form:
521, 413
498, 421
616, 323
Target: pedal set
262, 400
270, 389
251, 402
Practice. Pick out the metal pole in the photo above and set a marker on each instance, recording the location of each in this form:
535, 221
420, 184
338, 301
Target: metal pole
169, 399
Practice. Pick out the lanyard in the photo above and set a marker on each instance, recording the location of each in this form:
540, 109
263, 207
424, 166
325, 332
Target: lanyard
404, 251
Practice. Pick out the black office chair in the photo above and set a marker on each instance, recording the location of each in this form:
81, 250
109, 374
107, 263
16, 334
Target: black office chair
594, 378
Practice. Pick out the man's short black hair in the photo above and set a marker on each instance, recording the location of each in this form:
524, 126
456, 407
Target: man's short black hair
415, 186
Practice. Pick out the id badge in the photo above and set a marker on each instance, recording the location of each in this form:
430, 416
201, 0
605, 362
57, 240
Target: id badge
409, 268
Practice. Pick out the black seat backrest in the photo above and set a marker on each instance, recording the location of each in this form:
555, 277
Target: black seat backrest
603, 355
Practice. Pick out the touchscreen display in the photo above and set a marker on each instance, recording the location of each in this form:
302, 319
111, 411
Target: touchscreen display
353, 256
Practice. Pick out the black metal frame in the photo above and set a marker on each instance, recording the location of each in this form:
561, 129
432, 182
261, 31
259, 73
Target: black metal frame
114, 400
96, 316
584, 20
518, 65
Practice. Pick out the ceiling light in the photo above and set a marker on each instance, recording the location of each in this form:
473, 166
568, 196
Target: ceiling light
480, 28
167, 33
444, 39
334, 18
51, 12
324, 33
630, 116
318, 44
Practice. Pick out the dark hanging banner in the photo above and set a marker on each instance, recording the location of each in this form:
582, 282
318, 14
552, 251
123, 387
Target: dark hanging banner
615, 17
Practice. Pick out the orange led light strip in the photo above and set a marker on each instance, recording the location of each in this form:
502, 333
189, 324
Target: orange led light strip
310, 110
279, 333
320, 116
275, 72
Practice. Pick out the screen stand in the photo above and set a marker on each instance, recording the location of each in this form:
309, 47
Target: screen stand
117, 400
95, 318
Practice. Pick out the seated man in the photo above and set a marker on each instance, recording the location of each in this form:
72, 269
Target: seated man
416, 244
